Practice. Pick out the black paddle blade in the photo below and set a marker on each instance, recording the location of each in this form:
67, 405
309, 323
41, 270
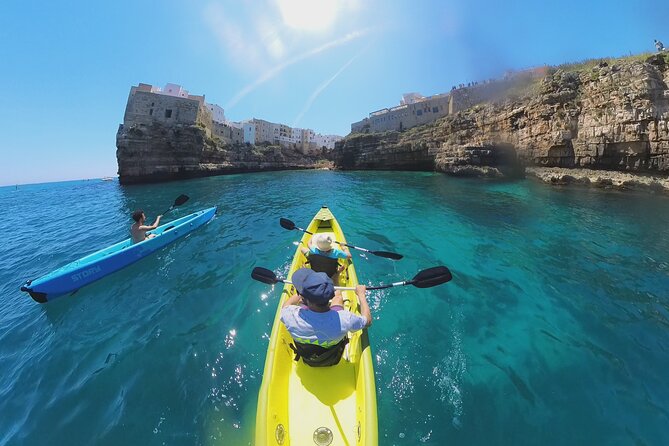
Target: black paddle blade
387, 255
286, 224
264, 275
181, 199
431, 277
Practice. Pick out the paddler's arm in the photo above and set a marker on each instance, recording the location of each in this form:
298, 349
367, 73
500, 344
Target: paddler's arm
304, 250
153, 226
157, 222
292, 300
360, 290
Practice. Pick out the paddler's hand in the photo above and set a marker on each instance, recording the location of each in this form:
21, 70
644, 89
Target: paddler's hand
360, 290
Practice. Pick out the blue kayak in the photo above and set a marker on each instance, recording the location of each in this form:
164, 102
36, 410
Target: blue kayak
79, 273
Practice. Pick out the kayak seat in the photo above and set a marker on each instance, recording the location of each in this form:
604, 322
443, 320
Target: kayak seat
323, 264
317, 356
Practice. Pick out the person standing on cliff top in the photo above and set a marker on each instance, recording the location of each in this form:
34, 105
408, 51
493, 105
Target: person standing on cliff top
660, 46
138, 228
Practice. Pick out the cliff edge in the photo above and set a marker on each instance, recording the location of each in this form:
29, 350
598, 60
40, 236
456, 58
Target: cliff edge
169, 137
159, 152
606, 114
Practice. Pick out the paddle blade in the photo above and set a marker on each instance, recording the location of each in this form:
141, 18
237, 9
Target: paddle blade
286, 224
387, 255
431, 277
264, 275
181, 199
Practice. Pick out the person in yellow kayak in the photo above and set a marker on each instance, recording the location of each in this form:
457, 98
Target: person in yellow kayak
322, 244
138, 228
323, 255
317, 326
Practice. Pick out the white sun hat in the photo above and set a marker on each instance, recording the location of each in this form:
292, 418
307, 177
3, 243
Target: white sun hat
324, 241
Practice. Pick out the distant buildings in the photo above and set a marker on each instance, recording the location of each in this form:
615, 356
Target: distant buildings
174, 105
217, 113
257, 131
413, 110
416, 109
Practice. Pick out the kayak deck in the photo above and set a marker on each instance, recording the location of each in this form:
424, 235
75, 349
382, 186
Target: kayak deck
299, 404
81, 272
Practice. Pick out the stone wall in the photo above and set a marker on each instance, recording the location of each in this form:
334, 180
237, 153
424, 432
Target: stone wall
230, 135
145, 108
404, 116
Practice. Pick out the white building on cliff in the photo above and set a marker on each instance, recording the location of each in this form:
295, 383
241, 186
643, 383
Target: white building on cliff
174, 105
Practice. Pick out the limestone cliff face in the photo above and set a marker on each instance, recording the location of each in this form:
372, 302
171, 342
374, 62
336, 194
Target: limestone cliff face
161, 152
608, 116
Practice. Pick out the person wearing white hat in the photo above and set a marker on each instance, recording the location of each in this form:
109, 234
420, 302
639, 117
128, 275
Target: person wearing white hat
323, 244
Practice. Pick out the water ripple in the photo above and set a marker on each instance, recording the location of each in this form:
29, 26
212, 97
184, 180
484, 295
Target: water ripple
555, 327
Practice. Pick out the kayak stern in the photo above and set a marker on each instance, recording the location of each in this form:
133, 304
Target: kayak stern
36, 295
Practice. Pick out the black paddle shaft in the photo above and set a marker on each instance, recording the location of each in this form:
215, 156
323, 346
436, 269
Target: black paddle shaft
426, 278
288, 224
181, 199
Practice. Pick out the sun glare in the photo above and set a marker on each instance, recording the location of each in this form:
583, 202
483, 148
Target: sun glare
309, 15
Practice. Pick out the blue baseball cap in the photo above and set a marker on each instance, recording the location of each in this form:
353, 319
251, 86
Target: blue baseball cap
315, 287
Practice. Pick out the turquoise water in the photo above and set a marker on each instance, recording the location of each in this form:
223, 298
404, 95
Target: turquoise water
554, 330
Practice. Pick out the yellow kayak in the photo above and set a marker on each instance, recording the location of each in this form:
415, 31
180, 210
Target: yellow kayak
301, 405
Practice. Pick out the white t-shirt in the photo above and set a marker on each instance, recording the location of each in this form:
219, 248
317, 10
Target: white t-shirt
324, 329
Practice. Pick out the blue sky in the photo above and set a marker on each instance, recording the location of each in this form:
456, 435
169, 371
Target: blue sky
67, 66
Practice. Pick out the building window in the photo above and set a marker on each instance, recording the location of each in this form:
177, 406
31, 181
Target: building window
168, 113
435, 109
419, 112
150, 112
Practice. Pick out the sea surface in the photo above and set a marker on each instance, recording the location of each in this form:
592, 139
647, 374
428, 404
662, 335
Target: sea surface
554, 330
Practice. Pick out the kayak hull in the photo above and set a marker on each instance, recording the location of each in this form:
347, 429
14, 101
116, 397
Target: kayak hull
302, 405
99, 264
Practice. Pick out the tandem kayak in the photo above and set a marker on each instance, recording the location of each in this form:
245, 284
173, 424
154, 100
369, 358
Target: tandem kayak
303, 405
79, 273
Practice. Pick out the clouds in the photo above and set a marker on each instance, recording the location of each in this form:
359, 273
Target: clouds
263, 38
250, 43
310, 15
276, 70
321, 88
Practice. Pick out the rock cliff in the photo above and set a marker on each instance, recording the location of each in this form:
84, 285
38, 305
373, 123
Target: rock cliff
160, 152
599, 115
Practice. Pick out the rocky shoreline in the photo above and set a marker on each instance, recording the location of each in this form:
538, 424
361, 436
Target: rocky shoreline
600, 178
603, 123
610, 116
157, 152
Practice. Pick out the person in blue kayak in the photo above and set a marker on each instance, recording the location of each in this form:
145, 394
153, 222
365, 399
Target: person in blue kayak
138, 228
319, 327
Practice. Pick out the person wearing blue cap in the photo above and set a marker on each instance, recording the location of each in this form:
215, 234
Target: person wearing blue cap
317, 326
